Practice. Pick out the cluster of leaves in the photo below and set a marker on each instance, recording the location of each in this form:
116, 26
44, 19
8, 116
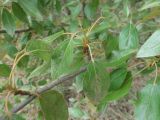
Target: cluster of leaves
51, 38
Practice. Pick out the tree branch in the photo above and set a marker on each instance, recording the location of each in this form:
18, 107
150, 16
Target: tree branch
17, 31
46, 88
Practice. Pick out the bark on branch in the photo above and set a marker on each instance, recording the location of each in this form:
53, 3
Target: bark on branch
44, 89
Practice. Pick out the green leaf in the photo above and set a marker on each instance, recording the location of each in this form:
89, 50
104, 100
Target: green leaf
148, 103
53, 106
25, 38
66, 59
96, 82
100, 28
89, 12
53, 37
76, 112
73, 26
19, 12
23, 62
4, 70
39, 70
150, 5
58, 6
19, 83
117, 78
75, 10
56, 58
79, 83
42, 82
77, 62
31, 8
117, 94
90, 9
110, 44
8, 22
120, 57
37, 27
11, 50
148, 70
8, 38
40, 49
128, 38
126, 7
151, 47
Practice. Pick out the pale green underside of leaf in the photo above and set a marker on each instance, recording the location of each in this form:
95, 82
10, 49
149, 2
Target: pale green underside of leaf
66, 59
150, 5
128, 38
76, 10
76, 112
42, 69
148, 103
40, 49
53, 37
151, 47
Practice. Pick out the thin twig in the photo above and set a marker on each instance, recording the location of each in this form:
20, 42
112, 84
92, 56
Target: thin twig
90, 52
44, 89
93, 25
156, 75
